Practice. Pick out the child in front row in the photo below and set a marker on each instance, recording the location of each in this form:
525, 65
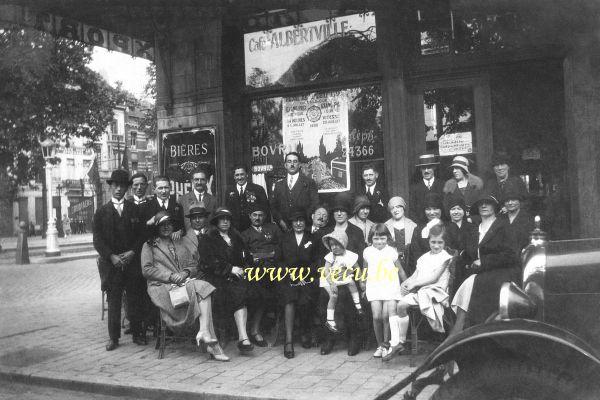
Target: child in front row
427, 287
340, 265
382, 287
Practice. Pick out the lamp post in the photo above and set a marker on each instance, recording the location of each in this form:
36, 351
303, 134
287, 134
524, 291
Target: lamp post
52, 248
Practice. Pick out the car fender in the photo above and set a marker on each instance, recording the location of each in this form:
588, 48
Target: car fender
498, 339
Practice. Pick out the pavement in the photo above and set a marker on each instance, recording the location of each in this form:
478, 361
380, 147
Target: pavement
51, 334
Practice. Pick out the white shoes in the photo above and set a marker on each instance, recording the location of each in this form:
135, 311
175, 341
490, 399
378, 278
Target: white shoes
380, 352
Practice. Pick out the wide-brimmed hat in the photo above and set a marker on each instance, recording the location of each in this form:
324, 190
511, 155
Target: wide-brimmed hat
197, 210
395, 201
500, 157
460, 162
338, 236
361, 201
484, 198
512, 194
433, 200
296, 214
161, 217
427, 160
220, 212
119, 176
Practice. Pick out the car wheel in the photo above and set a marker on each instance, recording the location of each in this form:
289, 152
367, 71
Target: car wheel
507, 379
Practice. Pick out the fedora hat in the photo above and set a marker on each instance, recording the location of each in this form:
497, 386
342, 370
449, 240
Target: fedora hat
197, 210
460, 162
427, 160
119, 176
220, 212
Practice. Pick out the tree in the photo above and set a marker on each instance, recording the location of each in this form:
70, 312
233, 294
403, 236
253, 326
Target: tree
149, 123
46, 91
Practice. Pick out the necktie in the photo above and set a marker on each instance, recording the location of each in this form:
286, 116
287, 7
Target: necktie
241, 191
290, 183
164, 205
428, 184
118, 207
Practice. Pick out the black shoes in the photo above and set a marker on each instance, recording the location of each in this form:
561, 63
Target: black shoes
112, 344
327, 347
259, 342
243, 347
140, 339
288, 350
306, 341
353, 346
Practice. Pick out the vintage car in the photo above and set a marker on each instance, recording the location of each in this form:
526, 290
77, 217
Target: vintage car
544, 341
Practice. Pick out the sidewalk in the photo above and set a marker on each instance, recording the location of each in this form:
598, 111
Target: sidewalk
75, 247
51, 334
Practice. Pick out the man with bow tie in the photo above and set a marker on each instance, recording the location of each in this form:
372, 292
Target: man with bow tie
242, 195
427, 183
198, 196
296, 191
139, 184
375, 192
116, 238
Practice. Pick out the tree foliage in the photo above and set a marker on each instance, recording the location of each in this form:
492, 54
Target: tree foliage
149, 123
46, 91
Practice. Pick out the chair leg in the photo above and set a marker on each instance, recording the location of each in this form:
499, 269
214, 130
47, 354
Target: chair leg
103, 306
163, 338
414, 350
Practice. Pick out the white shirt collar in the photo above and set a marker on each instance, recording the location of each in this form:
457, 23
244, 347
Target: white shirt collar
370, 189
120, 202
425, 181
137, 200
299, 237
293, 178
198, 194
160, 202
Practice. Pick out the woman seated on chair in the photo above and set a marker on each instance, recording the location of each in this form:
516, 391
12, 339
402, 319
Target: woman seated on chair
167, 264
225, 259
427, 287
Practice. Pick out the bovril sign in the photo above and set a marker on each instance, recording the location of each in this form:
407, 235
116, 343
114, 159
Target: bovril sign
75, 30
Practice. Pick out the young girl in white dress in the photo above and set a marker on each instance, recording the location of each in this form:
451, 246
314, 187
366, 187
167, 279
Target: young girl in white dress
340, 265
427, 287
382, 286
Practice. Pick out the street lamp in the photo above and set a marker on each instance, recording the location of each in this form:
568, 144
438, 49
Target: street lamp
52, 248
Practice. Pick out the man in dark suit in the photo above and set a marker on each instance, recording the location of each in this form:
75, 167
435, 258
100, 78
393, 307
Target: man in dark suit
375, 192
198, 196
162, 201
427, 184
244, 195
139, 184
296, 191
116, 238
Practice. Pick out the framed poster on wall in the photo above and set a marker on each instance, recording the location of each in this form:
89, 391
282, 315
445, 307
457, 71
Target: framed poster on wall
184, 150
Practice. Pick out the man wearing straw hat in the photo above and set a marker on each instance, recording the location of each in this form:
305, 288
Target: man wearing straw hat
428, 183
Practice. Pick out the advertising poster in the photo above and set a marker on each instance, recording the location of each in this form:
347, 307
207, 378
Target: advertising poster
359, 121
316, 127
182, 151
456, 143
312, 51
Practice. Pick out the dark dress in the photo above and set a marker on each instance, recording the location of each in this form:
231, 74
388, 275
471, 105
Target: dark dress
298, 256
519, 230
465, 232
233, 293
498, 265
420, 245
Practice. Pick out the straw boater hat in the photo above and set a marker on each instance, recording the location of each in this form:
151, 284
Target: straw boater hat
460, 162
119, 176
427, 160
197, 210
338, 236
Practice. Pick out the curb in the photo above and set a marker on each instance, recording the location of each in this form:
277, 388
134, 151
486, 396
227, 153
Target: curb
118, 390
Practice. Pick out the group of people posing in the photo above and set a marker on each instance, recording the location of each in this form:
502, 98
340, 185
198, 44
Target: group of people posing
326, 269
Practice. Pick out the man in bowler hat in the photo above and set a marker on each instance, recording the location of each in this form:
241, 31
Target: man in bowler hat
116, 238
427, 183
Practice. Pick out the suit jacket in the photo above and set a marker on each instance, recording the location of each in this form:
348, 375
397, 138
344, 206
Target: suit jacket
379, 200
418, 191
301, 255
220, 257
266, 241
151, 207
303, 196
254, 194
189, 200
499, 264
105, 235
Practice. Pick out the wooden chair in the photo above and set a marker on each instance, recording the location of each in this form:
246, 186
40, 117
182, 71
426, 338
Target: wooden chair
163, 337
416, 318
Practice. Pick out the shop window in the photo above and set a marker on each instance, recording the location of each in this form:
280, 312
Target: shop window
70, 162
333, 131
435, 26
449, 120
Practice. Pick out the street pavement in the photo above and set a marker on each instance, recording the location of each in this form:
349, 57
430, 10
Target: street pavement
51, 334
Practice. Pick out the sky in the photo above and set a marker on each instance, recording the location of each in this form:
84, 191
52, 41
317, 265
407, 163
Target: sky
115, 66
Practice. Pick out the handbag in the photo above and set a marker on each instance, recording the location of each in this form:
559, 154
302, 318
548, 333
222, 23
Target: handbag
179, 296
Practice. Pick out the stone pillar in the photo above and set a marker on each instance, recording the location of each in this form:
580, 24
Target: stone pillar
582, 124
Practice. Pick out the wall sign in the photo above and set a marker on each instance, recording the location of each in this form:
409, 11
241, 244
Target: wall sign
456, 143
312, 51
182, 151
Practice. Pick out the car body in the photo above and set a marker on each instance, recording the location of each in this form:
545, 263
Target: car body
544, 342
